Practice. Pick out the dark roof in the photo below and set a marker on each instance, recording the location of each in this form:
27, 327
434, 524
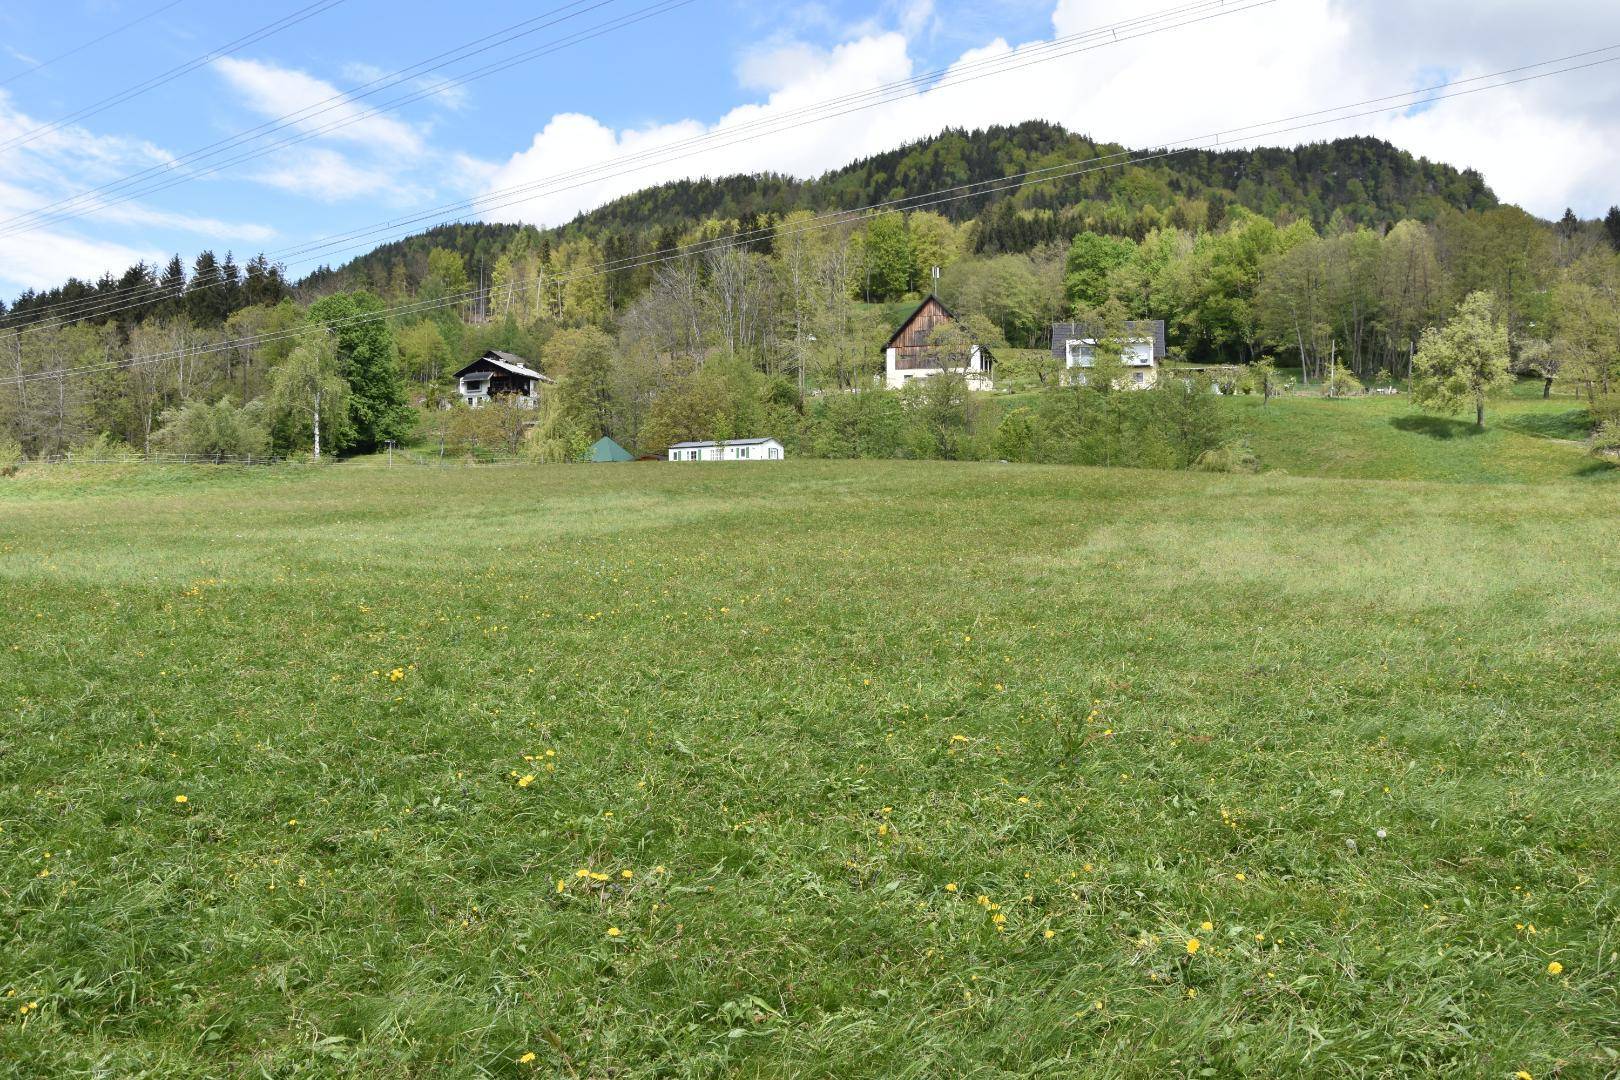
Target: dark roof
949, 314
514, 365
1067, 331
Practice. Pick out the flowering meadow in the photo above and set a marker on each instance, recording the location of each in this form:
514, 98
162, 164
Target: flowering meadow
814, 769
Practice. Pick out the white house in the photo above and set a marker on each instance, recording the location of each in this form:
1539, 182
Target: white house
730, 450
912, 354
1142, 355
499, 374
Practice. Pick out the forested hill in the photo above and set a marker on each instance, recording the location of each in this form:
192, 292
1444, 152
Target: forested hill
1357, 181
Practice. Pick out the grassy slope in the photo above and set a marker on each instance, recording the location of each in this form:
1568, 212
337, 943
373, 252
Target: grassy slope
745, 675
1526, 439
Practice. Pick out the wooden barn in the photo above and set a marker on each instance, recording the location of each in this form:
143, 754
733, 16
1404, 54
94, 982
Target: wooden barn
499, 374
912, 354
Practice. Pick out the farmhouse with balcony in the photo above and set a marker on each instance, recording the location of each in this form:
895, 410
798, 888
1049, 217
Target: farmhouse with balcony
499, 374
913, 351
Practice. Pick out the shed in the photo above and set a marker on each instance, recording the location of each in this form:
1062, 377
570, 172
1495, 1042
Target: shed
605, 449
765, 449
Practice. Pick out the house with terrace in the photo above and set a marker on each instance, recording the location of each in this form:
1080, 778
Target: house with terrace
1142, 352
499, 375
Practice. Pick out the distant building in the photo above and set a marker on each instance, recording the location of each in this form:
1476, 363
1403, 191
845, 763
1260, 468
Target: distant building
1143, 353
909, 354
730, 450
605, 449
499, 374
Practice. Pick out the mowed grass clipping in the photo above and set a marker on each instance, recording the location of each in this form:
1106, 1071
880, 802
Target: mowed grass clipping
815, 769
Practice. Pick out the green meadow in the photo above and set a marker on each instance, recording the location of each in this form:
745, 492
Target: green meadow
845, 769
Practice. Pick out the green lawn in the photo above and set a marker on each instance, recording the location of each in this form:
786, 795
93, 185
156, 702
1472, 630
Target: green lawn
798, 737
1525, 440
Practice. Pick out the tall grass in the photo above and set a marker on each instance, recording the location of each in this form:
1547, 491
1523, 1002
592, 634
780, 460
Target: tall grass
838, 769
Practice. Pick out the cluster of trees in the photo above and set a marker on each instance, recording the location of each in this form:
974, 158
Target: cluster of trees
1338, 259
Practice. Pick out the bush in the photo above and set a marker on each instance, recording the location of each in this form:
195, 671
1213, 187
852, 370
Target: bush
1605, 441
214, 431
11, 452
1235, 457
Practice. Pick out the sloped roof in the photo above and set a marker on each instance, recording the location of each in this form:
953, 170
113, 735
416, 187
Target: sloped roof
605, 449
507, 362
1067, 331
728, 442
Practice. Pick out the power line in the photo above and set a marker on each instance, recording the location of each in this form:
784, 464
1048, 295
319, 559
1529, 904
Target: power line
8, 80
302, 14
859, 101
834, 219
66, 208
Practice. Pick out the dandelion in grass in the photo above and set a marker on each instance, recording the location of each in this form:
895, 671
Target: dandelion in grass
1555, 968
525, 780
1523, 1074
527, 1059
181, 799
1193, 945
627, 874
950, 886
613, 931
1048, 934
1206, 926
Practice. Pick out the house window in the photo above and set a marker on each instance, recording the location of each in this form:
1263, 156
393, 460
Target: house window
742, 452
773, 453
1141, 378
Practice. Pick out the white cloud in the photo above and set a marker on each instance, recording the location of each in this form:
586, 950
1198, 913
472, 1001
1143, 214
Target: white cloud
276, 91
45, 170
1544, 145
329, 176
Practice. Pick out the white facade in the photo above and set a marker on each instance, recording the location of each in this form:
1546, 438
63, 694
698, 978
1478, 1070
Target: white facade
978, 378
731, 450
1142, 371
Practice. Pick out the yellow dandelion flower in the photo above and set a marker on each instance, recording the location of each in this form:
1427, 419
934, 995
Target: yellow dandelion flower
526, 1058
181, 799
883, 830
582, 872
1193, 945
1240, 877
613, 931
526, 780
1206, 926
562, 884
1049, 934
1523, 1075
1022, 799
1555, 968
1192, 993
627, 874
950, 886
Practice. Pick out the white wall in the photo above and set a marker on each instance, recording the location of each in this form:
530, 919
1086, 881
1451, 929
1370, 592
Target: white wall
756, 452
894, 378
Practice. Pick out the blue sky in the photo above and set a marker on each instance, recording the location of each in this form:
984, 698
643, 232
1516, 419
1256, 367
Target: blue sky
705, 67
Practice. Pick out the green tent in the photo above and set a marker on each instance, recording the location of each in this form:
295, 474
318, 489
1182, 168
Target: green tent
606, 449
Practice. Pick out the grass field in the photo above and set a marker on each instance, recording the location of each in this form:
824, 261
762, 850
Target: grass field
821, 769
